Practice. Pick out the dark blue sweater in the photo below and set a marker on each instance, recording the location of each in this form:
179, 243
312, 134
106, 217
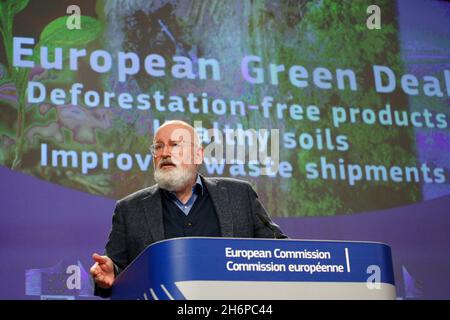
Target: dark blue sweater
201, 221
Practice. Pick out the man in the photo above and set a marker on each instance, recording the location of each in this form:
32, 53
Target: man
181, 204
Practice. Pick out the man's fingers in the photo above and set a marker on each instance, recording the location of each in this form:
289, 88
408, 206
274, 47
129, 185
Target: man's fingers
100, 278
101, 268
103, 281
106, 267
102, 271
94, 269
100, 259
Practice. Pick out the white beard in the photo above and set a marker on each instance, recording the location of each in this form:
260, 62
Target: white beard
174, 179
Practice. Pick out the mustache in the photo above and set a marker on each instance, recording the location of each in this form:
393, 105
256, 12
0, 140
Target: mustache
166, 161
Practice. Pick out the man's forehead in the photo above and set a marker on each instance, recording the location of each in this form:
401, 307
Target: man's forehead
174, 133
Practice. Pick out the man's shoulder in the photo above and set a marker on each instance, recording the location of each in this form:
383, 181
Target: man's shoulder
139, 195
227, 182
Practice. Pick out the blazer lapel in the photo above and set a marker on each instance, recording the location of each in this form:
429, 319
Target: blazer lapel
153, 213
220, 200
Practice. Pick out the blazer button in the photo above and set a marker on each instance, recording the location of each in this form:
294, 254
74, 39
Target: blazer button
188, 225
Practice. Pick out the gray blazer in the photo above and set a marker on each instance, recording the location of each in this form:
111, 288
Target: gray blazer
138, 221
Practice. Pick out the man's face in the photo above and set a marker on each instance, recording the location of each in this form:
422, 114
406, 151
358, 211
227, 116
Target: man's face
176, 156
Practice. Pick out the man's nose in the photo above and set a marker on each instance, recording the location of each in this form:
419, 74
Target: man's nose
166, 151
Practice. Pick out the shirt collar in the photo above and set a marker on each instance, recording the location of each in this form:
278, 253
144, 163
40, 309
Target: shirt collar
198, 185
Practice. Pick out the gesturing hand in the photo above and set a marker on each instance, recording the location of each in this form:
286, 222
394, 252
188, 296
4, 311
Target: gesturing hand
103, 271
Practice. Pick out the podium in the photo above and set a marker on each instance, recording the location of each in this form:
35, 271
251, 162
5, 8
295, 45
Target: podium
258, 269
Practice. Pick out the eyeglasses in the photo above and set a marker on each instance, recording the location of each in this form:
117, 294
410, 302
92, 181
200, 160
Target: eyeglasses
174, 147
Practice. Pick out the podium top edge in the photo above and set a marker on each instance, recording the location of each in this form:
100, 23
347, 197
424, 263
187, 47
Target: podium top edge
265, 239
